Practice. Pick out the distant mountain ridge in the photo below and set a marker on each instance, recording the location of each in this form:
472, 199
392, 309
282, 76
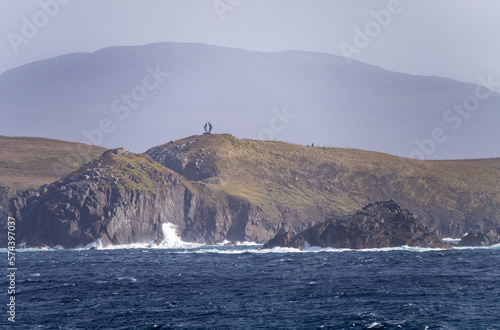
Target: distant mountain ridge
138, 96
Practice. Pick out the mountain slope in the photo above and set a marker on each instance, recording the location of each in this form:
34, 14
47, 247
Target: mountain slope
295, 96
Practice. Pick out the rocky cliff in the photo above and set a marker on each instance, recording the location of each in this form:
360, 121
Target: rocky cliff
379, 225
122, 198
28, 163
309, 184
216, 187
117, 198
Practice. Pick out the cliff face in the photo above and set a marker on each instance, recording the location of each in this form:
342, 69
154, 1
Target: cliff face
118, 198
122, 198
379, 225
300, 186
216, 187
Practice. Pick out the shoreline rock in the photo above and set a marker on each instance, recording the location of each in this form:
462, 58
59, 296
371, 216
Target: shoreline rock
379, 225
485, 237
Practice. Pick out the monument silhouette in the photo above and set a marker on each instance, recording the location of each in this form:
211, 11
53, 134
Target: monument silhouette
208, 128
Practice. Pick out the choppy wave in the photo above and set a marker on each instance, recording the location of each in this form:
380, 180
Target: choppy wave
491, 247
247, 243
173, 241
451, 240
127, 279
312, 249
271, 289
187, 247
316, 249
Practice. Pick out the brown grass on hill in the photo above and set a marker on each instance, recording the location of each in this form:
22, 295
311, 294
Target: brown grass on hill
27, 162
344, 180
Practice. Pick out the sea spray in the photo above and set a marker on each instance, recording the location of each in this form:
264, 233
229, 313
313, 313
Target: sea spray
171, 240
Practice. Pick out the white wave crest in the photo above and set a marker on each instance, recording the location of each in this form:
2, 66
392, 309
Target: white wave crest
316, 249
247, 243
451, 240
172, 240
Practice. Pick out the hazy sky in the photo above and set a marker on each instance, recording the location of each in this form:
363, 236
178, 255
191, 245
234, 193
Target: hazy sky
450, 38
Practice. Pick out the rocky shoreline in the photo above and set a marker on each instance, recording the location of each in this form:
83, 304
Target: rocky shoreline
217, 188
378, 225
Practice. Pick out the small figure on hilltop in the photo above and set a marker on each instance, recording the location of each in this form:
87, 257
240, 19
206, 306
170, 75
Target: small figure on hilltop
208, 128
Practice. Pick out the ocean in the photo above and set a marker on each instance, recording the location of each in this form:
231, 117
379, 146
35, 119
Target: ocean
183, 285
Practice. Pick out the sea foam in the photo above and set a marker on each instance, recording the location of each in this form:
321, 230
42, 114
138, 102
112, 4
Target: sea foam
171, 240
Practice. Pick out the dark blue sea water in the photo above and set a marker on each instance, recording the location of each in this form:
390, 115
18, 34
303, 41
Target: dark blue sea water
240, 287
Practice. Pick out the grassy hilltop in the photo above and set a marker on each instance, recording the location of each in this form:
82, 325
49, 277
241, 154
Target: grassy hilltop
28, 162
450, 196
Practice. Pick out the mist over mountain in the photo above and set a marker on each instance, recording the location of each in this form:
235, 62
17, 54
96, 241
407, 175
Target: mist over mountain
141, 96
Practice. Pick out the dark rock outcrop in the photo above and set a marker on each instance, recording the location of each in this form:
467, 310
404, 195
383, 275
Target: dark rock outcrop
193, 164
379, 225
122, 198
484, 237
117, 199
